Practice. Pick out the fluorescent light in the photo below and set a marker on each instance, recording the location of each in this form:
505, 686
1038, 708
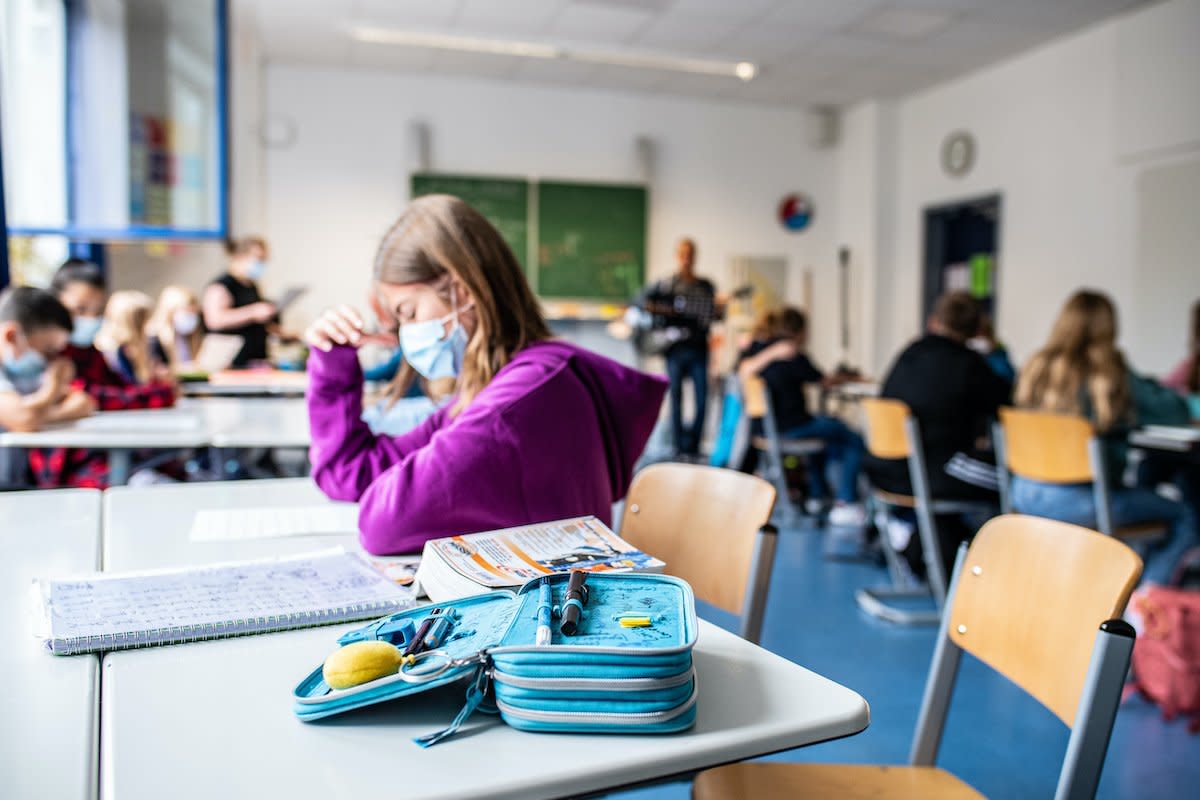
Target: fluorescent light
743, 70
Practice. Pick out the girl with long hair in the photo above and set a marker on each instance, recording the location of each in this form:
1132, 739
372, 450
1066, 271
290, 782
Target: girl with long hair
175, 329
1081, 371
122, 336
537, 430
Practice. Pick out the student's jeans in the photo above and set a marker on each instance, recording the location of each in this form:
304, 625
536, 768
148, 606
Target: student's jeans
842, 445
690, 363
1075, 503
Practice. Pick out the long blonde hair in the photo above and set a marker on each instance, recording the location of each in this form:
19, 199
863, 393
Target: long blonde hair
439, 239
124, 327
1081, 360
162, 323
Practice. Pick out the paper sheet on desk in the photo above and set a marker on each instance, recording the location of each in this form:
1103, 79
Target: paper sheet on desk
165, 420
226, 525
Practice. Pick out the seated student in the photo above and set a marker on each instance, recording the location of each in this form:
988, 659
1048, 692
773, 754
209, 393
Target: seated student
954, 396
994, 353
539, 429
122, 338
1081, 371
35, 383
79, 285
786, 369
175, 333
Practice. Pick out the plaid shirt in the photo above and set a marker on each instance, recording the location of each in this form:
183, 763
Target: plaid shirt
89, 468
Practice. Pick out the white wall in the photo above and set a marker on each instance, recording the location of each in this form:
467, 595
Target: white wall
1065, 134
719, 174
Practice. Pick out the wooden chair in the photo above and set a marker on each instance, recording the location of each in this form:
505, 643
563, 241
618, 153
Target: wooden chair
711, 526
1063, 449
1039, 601
892, 433
771, 445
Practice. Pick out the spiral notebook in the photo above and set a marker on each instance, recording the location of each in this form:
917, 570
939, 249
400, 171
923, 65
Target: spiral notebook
142, 609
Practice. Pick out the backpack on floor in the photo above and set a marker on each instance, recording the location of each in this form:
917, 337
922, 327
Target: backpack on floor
1166, 656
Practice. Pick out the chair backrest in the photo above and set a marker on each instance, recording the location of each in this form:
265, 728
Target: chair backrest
754, 397
1030, 598
884, 426
1047, 447
707, 524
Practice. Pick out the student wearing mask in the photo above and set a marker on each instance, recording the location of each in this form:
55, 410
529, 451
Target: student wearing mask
954, 395
80, 286
994, 353
537, 430
175, 333
36, 383
1082, 371
783, 364
233, 305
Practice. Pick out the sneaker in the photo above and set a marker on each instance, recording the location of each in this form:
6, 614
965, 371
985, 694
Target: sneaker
848, 515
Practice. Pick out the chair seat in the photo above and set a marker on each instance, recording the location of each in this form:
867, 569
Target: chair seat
936, 506
791, 447
781, 781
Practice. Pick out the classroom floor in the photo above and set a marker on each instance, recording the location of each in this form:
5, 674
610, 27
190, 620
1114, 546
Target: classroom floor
997, 738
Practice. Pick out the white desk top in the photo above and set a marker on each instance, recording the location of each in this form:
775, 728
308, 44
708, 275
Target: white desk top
149, 528
214, 719
232, 732
161, 428
223, 422
48, 712
254, 421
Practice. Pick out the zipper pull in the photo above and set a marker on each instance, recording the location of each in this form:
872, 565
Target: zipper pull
475, 695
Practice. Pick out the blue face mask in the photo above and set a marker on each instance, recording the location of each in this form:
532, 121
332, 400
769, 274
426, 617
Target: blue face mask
430, 350
29, 364
257, 269
85, 330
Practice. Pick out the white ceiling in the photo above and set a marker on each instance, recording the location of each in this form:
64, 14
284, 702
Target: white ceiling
810, 52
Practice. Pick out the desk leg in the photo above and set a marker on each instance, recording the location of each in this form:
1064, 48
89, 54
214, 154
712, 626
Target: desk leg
119, 465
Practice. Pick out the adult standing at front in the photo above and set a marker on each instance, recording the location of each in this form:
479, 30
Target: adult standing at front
687, 305
232, 303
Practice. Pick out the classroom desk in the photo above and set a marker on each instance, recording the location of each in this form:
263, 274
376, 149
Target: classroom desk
120, 433
48, 714
213, 719
148, 528
206, 389
254, 421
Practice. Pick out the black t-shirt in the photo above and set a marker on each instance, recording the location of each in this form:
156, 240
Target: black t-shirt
785, 380
951, 391
255, 333
688, 305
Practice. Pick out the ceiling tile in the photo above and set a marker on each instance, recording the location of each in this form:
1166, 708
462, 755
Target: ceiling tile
425, 14
825, 16
684, 33
525, 18
598, 24
744, 10
764, 43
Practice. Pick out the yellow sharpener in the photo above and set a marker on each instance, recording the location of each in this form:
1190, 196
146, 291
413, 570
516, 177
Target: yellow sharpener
635, 622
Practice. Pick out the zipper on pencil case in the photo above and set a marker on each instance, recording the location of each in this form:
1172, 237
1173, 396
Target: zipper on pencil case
591, 718
586, 684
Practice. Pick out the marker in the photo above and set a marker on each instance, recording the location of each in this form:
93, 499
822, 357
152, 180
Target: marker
439, 630
577, 596
545, 610
418, 641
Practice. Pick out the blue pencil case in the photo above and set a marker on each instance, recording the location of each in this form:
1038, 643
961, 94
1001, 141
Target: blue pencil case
607, 678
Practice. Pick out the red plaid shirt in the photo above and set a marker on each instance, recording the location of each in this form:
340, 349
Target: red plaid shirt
89, 468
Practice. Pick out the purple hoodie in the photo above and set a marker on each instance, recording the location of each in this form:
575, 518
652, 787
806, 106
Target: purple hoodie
554, 435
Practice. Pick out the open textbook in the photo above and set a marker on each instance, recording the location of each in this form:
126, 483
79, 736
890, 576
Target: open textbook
459, 566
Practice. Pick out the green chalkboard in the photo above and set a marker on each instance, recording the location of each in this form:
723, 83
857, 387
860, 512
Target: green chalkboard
591, 240
504, 201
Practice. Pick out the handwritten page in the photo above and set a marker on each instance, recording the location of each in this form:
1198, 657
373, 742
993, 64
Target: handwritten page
227, 525
106, 611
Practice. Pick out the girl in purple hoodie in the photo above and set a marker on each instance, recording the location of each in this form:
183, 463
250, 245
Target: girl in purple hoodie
539, 429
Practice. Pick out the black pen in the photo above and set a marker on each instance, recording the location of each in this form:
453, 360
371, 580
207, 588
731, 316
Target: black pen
418, 642
576, 598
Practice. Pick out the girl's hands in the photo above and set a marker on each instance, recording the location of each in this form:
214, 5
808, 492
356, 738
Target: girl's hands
341, 325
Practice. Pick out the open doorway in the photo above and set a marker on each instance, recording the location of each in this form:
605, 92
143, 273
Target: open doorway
962, 242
